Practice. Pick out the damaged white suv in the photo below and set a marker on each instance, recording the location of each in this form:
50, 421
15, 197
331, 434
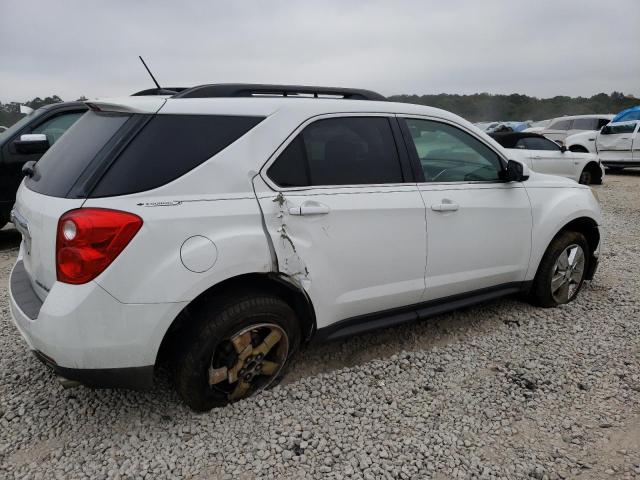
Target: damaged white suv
224, 227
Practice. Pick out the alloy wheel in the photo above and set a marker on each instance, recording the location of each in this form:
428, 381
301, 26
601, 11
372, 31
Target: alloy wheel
249, 360
567, 273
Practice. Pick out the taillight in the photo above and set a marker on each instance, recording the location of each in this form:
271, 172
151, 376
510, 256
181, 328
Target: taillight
89, 239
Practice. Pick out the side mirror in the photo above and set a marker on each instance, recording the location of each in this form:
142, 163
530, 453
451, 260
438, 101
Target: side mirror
32, 143
563, 148
515, 172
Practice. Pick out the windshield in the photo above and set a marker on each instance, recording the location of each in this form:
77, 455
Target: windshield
19, 124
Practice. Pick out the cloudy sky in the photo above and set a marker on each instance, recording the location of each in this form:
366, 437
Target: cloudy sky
542, 47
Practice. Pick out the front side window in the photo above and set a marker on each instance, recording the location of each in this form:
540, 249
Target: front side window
55, 127
339, 151
585, 124
537, 143
448, 154
560, 125
616, 128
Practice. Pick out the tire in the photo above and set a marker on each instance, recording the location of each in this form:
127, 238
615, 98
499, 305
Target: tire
542, 290
586, 177
211, 350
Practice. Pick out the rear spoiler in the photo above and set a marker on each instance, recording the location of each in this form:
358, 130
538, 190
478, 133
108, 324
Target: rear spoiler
127, 104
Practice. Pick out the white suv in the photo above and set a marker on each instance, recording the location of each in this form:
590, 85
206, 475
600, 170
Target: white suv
224, 227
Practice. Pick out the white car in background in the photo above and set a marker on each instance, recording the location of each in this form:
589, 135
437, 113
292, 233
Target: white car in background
544, 156
562, 127
537, 127
618, 145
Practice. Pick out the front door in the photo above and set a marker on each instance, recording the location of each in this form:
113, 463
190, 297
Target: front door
478, 227
344, 219
615, 142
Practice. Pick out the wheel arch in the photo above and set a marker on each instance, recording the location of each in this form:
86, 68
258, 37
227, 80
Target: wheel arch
596, 172
588, 227
273, 283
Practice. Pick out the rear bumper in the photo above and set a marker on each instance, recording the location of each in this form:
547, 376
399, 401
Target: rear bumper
133, 378
85, 334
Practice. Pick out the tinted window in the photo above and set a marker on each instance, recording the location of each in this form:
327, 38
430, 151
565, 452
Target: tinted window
615, 128
168, 147
560, 125
64, 162
585, 124
537, 143
339, 151
55, 127
447, 154
602, 122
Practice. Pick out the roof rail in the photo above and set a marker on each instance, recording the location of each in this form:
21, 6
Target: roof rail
159, 91
258, 90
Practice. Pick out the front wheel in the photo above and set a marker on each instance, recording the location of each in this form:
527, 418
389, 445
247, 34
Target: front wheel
586, 178
236, 350
562, 270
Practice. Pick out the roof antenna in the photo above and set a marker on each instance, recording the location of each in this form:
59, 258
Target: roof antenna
160, 91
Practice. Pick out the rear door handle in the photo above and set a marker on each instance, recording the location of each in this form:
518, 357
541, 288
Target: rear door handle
310, 208
445, 206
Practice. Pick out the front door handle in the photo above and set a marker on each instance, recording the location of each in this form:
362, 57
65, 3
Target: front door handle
445, 206
310, 208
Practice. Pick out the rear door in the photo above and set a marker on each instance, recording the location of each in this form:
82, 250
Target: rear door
615, 142
478, 227
344, 218
547, 157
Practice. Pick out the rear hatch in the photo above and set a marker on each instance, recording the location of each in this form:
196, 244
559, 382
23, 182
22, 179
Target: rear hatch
61, 181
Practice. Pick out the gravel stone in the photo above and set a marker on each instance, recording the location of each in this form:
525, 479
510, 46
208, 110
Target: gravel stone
498, 391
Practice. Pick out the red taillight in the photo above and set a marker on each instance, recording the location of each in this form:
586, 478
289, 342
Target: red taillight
89, 239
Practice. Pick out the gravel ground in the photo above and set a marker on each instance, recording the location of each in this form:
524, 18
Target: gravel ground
503, 390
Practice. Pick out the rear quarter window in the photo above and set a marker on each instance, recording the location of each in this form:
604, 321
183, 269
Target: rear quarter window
168, 147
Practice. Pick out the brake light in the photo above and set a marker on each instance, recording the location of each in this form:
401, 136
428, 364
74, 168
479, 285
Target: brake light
89, 239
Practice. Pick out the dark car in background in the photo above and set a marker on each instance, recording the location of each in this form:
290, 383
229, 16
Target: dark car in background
29, 138
26, 141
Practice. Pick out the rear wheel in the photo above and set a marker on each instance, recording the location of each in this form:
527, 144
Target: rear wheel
562, 270
236, 350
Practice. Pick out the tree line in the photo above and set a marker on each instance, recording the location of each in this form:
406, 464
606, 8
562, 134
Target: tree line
477, 107
487, 107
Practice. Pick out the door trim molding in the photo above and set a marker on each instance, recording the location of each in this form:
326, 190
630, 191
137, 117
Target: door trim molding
397, 316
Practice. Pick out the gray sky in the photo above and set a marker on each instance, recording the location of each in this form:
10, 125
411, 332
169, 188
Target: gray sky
542, 47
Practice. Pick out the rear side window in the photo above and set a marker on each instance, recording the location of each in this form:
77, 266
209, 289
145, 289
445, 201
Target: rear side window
537, 143
57, 171
168, 147
585, 124
340, 151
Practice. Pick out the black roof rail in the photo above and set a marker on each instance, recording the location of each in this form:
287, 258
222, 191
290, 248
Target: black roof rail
159, 91
253, 90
